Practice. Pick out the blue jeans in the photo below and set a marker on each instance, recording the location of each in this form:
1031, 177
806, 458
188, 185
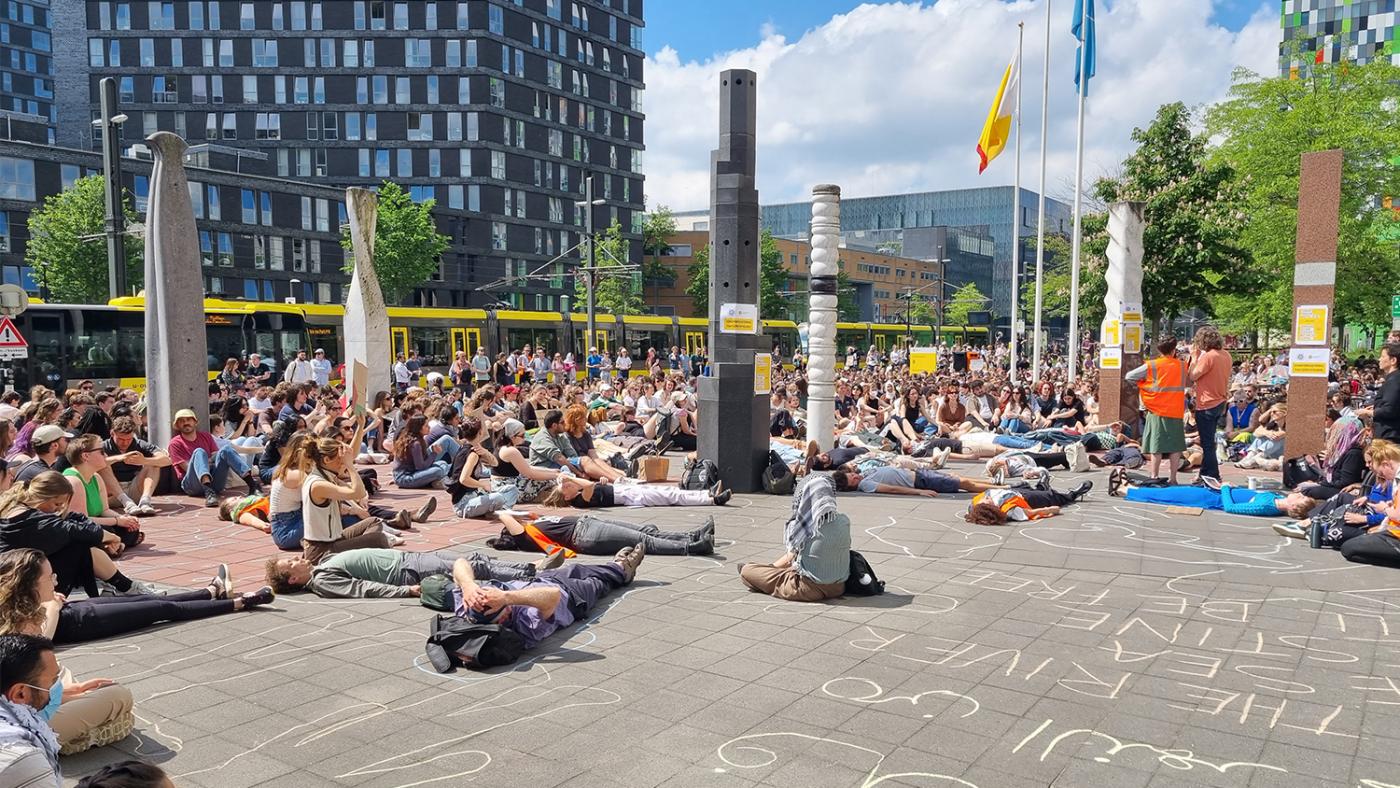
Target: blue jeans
287, 528
200, 465
449, 447
1014, 442
413, 480
1014, 426
483, 503
1207, 421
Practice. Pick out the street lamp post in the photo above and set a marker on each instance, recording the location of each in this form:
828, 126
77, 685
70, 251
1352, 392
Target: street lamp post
589, 270
110, 124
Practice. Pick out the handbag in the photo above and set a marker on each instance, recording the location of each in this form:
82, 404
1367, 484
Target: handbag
1301, 469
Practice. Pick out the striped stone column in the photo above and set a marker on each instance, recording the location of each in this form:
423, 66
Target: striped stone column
821, 332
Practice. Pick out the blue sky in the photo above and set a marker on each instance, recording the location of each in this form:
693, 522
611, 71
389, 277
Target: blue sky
697, 29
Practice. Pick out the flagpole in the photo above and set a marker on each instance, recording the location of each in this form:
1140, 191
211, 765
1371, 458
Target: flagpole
1016, 207
1082, 89
1040, 223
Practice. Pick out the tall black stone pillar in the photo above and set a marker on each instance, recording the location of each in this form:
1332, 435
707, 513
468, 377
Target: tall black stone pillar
733, 416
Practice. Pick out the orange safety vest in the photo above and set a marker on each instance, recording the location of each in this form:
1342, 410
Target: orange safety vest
1014, 502
1163, 391
546, 544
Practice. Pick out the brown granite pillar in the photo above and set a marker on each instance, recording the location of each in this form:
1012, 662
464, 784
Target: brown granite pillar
1314, 285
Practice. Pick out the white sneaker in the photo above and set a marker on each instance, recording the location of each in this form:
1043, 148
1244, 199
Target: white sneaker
1078, 456
140, 588
132, 508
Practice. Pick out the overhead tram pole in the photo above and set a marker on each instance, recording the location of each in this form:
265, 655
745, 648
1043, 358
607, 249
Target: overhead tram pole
589, 270
1040, 222
1016, 209
115, 221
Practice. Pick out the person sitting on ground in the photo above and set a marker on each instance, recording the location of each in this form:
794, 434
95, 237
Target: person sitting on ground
589, 535
474, 492
586, 494
1265, 449
1343, 461
30, 692
329, 478
551, 448
818, 543
899, 481
369, 572
575, 424
996, 507
531, 482
201, 467
33, 515
1231, 500
127, 774
85, 460
48, 444
554, 599
1359, 513
419, 464
133, 468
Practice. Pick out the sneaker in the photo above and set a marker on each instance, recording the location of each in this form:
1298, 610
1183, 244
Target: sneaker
211, 499
722, 497
263, 596
222, 583
1291, 530
1097, 461
1042, 479
552, 561
425, 511
1078, 456
629, 558
940, 457
403, 521
1209, 481
132, 508
140, 588
640, 450
146, 510
254, 483
999, 476
1081, 490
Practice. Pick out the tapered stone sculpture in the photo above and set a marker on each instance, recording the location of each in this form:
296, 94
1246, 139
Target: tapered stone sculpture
366, 316
1124, 289
733, 429
176, 352
821, 332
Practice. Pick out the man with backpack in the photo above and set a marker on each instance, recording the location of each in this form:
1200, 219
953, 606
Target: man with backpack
818, 558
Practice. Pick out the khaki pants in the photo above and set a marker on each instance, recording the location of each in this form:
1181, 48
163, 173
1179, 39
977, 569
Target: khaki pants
105, 712
365, 533
788, 583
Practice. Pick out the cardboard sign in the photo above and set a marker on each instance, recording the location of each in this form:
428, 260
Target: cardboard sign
1308, 362
762, 373
738, 318
923, 360
1111, 358
1310, 325
359, 388
1132, 337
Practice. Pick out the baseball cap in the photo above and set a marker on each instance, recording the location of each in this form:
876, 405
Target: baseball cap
509, 389
183, 413
48, 434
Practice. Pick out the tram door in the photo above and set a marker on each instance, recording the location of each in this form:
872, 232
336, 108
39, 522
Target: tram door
880, 342
601, 340
466, 340
398, 337
694, 340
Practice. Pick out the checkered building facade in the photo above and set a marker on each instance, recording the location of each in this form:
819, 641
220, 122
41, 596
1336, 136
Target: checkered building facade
1353, 30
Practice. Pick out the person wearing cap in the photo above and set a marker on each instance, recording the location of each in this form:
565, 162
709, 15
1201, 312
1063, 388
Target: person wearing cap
49, 442
321, 368
258, 373
299, 369
201, 466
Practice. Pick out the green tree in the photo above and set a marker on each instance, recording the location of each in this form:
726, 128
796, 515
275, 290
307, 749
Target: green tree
1264, 126
847, 306
614, 291
1055, 285
1192, 220
772, 280
699, 287
968, 298
657, 230
67, 248
407, 245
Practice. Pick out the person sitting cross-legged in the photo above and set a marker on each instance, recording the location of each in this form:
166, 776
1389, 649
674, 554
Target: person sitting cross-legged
201, 466
133, 468
538, 608
384, 572
818, 542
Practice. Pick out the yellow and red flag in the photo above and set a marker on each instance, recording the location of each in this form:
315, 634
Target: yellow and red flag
997, 131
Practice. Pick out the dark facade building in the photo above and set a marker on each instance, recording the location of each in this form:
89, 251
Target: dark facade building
26, 61
496, 110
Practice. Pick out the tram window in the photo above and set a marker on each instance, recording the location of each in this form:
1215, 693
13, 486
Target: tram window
433, 346
639, 341
46, 349
225, 340
105, 345
517, 338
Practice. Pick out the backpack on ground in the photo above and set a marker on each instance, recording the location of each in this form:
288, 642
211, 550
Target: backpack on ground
778, 478
454, 642
435, 592
862, 580
699, 475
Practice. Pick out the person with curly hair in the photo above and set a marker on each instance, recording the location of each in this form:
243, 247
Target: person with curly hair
1000, 505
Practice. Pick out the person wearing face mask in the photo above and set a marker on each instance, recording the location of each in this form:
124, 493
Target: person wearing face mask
30, 692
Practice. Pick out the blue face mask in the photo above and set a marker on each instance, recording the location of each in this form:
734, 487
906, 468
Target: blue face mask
55, 698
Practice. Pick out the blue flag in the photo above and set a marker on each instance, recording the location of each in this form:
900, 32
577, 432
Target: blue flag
1086, 43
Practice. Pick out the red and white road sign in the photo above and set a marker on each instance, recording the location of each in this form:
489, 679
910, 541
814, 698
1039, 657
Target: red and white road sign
12, 343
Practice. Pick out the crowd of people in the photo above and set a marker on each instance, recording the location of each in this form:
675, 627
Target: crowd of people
288, 456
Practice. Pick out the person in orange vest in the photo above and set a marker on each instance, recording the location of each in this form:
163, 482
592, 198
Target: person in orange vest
1162, 391
1000, 505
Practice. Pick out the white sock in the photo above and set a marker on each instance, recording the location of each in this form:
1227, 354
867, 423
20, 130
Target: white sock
125, 499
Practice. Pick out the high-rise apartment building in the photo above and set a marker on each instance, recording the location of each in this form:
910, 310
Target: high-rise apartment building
26, 60
497, 110
1354, 30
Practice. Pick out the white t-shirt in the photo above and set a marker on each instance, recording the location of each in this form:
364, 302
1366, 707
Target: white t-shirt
624, 362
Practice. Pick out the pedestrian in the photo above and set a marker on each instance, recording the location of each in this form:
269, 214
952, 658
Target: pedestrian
1386, 411
1210, 372
321, 368
1162, 390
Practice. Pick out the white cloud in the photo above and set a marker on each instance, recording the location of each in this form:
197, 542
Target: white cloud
891, 98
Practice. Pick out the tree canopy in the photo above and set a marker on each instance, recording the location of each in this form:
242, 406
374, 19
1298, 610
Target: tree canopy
968, 298
407, 245
614, 291
67, 248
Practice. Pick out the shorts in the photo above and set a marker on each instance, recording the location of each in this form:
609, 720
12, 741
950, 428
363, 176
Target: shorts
940, 483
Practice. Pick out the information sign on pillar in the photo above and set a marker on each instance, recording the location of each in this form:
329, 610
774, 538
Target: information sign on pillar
1123, 305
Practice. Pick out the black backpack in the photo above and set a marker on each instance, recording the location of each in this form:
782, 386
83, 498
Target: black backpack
699, 475
454, 642
778, 478
862, 580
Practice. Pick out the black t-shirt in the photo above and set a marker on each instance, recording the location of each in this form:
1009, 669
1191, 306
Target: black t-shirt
841, 456
583, 444
95, 422
559, 530
121, 470
602, 498
844, 405
455, 488
36, 466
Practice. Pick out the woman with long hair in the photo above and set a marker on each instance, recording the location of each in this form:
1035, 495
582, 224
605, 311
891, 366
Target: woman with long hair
1016, 415
1001, 504
86, 460
586, 494
230, 378
330, 479
241, 423
33, 514
7, 439
475, 492
576, 427
44, 413
531, 481
419, 464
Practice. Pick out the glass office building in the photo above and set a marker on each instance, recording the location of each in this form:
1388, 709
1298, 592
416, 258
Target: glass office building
1353, 30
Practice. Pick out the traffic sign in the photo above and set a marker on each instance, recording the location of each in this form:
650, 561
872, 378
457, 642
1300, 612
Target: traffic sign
1395, 306
12, 343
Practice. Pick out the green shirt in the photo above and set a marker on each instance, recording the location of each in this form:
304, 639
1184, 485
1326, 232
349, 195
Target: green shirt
95, 505
363, 572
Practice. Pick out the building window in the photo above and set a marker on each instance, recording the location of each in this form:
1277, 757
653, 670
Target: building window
498, 92
496, 20
498, 164
5, 231
474, 198
498, 233
246, 20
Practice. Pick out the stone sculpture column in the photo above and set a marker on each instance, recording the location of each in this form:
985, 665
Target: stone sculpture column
1314, 289
733, 418
177, 355
1118, 399
821, 331
366, 316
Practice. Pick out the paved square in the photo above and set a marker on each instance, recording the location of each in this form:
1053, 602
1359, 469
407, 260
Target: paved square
1116, 645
